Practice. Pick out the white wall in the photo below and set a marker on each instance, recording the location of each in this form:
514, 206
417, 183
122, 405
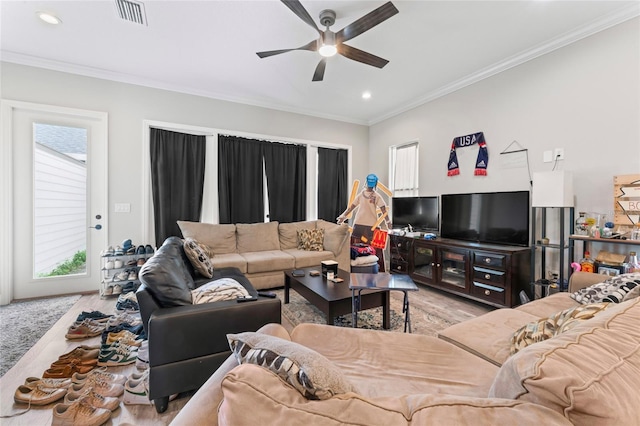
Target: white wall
129, 105
584, 98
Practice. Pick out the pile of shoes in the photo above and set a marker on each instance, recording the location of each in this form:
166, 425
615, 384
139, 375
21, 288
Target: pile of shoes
121, 274
89, 398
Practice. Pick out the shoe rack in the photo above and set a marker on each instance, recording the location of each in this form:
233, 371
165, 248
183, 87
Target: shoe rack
121, 270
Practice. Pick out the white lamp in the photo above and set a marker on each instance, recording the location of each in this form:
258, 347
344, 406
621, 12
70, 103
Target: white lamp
552, 189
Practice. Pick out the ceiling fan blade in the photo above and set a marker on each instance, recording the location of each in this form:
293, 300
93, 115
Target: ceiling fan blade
297, 8
361, 56
311, 46
318, 75
367, 22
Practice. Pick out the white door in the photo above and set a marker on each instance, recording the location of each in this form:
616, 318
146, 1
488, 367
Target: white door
59, 199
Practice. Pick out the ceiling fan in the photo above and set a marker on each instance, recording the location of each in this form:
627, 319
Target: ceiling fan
330, 43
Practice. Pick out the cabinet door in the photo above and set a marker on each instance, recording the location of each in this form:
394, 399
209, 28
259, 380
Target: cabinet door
424, 263
454, 267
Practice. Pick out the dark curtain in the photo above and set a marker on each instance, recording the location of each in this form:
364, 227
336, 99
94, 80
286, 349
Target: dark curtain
240, 185
286, 170
177, 180
332, 183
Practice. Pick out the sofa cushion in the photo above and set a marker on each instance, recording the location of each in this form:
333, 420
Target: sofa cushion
267, 261
166, 276
310, 239
311, 374
335, 236
488, 336
546, 328
613, 289
198, 257
289, 233
219, 238
306, 259
590, 374
254, 396
257, 236
229, 260
549, 305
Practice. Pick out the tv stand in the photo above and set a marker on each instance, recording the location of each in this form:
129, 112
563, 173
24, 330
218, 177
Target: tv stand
489, 273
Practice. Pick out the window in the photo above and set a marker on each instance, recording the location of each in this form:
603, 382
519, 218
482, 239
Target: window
403, 169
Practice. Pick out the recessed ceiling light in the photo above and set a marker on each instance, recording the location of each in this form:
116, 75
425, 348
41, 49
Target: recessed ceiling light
366, 95
49, 18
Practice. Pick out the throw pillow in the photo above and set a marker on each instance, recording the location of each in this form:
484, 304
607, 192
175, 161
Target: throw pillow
546, 328
220, 289
310, 373
635, 292
310, 239
613, 289
198, 257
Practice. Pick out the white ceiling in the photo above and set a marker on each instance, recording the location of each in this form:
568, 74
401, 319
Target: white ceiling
208, 47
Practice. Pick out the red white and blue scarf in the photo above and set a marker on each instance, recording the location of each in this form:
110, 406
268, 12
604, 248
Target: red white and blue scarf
468, 140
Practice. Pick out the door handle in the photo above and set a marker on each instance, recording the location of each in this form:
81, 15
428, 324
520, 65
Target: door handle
97, 227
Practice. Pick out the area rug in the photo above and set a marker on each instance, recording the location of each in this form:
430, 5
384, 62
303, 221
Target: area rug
299, 310
23, 323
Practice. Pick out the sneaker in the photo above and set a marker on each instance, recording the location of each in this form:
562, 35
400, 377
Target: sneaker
32, 382
63, 371
129, 287
116, 355
131, 262
108, 291
99, 374
127, 305
121, 276
82, 352
80, 363
136, 392
94, 315
99, 386
86, 328
130, 251
133, 274
117, 264
93, 398
38, 395
148, 249
141, 261
140, 250
79, 413
124, 336
109, 265
118, 251
108, 252
142, 363
124, 318
117, 289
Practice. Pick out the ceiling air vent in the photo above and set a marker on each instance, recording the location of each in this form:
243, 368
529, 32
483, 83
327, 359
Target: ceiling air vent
132, 11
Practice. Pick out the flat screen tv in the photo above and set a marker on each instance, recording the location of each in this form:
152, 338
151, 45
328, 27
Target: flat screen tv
421, 213
493, 217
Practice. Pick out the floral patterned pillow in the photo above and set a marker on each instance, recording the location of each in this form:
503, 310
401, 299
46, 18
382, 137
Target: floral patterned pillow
311, 239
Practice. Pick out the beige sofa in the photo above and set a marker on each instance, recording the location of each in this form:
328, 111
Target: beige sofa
587, 375
262, 251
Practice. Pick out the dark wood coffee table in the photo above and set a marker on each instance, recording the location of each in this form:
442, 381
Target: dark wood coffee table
334, 299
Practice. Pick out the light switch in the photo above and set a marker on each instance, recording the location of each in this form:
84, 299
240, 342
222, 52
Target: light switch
123, 208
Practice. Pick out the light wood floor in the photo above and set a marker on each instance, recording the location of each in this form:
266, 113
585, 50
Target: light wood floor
53, 344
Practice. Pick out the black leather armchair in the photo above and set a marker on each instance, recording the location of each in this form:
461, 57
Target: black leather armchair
187, 342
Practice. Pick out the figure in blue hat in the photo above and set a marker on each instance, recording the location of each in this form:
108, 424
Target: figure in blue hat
368, 201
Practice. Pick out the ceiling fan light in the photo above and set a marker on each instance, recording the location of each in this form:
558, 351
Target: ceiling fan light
328, 44
327, 50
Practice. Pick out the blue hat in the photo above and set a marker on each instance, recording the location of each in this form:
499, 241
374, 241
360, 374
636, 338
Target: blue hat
372, 181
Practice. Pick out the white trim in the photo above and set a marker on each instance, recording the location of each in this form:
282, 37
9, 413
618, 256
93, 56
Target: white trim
212, 177
7, 108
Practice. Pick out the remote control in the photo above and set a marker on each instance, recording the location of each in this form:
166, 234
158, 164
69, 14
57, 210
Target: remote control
246, 299
297, 273
267, 294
